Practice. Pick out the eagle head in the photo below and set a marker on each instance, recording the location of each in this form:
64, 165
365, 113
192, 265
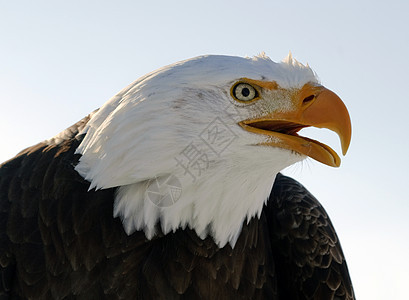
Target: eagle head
198, 143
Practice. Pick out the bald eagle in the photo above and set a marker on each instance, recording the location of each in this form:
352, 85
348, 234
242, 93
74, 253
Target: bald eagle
172, 190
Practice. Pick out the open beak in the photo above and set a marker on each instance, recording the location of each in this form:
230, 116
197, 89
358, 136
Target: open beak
315, 106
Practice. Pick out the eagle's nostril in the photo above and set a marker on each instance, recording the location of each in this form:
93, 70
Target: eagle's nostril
308, 99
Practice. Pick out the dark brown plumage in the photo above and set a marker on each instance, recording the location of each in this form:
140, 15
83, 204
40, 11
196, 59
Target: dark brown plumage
59, 241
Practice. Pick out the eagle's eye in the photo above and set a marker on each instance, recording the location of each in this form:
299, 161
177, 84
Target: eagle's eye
244, 92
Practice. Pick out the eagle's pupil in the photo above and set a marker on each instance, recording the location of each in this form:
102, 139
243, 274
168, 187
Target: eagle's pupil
245, 92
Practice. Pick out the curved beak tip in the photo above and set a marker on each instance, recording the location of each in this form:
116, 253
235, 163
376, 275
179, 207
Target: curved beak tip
345, 147
330, 106
346, 135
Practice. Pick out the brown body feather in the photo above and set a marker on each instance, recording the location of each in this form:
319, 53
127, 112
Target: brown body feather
59, 241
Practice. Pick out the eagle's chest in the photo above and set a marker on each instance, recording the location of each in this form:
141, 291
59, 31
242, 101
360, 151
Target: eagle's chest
182, 264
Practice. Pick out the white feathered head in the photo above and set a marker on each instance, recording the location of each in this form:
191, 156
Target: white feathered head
199, 143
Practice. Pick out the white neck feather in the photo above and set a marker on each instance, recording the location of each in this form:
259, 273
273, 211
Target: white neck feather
216, 203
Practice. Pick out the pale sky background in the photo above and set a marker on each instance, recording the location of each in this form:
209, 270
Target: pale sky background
59, 60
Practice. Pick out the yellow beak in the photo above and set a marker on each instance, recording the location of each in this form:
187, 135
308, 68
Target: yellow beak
314, 106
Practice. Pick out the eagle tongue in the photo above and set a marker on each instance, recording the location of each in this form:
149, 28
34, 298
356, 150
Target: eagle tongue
278, 126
